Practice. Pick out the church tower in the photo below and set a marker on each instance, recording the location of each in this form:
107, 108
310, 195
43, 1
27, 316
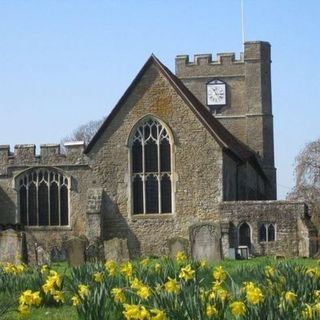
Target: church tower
238, 93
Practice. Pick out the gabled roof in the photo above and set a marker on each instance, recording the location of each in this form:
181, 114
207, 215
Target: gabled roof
226, 140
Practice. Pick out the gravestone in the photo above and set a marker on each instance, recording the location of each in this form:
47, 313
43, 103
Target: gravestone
43, 257
58, 255
76, 248
205, 241
11, 246
177, 244
116, 250
95, 250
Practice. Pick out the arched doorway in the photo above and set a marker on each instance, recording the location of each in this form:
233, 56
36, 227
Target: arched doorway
245, 235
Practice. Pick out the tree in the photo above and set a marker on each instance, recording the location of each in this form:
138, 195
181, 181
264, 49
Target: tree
307, 172
84, 132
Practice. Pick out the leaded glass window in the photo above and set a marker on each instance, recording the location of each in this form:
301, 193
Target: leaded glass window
43, 198
151, 168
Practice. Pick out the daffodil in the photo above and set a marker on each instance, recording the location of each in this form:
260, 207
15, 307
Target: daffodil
172, 286
211, 311
44, 268
118, 295
219, 274
111, 268
83, 290
186, 273
75, 301
269, 271
181, 257
157, 314
98, 277
238, 308
133, 311
307, 312
126, 269
58, 296
144, 292
157, 267
136, 284
254, 295
290, 297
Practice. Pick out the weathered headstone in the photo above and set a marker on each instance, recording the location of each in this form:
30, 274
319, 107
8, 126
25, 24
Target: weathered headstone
43, 257
205, 241
95, 250
76, 248
11, 246
177, 244
116, 249
58, 254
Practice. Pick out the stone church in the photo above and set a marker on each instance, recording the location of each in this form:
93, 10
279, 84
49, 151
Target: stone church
179, 155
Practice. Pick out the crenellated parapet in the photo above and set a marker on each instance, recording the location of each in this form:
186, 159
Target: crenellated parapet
225, 64
50, 154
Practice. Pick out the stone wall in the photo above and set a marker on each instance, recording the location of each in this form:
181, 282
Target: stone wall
295, 234
197, 168
73, 164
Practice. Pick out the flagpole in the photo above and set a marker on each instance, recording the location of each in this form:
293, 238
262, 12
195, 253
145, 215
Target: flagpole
242, 23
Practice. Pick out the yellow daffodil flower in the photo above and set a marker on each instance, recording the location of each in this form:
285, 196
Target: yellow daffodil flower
219, 274
118, 295
181, 257
172, 286
211, 311
238, 308
186, 273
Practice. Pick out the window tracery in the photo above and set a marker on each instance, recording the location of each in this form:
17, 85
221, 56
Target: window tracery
43, 197
151, 168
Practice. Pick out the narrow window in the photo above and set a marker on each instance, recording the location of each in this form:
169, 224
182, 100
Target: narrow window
151, 168
262, 233
271, 233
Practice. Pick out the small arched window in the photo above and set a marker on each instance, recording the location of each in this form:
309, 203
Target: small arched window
43, 195
262, 233
267, 232
151, 175
271, 233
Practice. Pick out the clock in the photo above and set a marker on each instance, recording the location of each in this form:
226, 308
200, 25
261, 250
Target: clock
216, 93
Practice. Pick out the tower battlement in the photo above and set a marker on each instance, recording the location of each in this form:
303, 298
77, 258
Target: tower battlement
50, 154
225, 64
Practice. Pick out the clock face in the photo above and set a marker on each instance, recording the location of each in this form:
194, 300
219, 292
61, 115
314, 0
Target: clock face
216, 93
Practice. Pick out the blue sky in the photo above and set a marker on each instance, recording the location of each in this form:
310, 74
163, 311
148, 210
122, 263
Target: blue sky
63, 63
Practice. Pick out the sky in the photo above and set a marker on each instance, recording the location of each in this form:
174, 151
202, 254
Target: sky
64, 63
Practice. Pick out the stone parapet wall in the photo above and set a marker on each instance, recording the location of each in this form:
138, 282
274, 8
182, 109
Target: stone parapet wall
50, 154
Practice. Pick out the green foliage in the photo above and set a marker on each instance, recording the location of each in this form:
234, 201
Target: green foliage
191, 299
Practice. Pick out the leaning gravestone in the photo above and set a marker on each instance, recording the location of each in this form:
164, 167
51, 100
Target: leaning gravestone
178, 244
116, 250
11, 246
205, 241
76, 248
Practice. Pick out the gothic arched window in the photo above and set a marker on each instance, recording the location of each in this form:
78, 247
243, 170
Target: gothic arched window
43, 195
262, 233
271, 232
151, 174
